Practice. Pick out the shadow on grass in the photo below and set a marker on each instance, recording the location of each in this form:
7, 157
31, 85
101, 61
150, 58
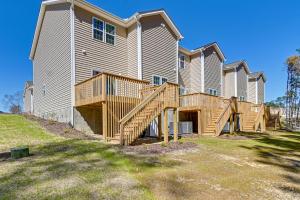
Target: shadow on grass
282, 151
93, 162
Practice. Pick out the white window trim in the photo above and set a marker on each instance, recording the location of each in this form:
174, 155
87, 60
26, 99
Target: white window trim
160, 79
104, 31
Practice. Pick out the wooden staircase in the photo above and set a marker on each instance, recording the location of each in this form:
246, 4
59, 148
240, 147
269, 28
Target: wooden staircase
219, 118
254, 120
137, 120
210, 129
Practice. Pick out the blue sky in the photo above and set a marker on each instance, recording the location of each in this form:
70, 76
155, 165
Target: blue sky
264, 33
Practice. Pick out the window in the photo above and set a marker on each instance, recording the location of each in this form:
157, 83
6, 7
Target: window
182, 61
96, 72
182, 90
110, 34
212, 92
103, 31
242, 98
98, 29
159, 80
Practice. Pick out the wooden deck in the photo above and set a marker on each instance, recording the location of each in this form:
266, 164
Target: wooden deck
124, 102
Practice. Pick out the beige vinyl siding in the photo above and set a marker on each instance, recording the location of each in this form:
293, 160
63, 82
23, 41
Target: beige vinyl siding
261, 90
52, 65
184, 75
229, 84
159, 49
195, 73
242, 81
212, 71
252, 91
100, 55
27, 100
132, 51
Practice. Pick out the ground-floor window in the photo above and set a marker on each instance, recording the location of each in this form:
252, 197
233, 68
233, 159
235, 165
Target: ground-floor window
158, 80
242, 98
212, 91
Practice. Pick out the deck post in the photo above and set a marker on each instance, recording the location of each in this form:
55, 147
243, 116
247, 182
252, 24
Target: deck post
199, 122
231, 124
104, 119
235, 122
103, 87
159, 127
166, 128
175, 124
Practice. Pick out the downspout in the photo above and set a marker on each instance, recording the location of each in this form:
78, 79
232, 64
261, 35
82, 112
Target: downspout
139, 47
235, 83
221, 73
202, 71
72, 27
177, 59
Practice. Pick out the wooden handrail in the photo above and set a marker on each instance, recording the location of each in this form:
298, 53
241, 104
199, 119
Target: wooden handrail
143, 103
259, 115
114, 75
221, 117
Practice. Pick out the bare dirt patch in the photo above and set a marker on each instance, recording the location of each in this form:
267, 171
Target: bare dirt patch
160, 148
62, 129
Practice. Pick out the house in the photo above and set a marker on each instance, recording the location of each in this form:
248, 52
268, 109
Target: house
28, 97
119, 77
256, 87
236, 80
200, 70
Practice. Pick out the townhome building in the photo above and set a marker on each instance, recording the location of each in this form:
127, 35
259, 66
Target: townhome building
121, 77
201, 69
256, 90
236, 80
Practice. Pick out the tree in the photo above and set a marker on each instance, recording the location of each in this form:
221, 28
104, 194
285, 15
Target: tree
13, 102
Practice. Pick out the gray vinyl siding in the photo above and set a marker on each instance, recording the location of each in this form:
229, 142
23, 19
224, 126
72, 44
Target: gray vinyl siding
159, 49
229, 84
132, 52
212, 71
27, 100
184, 76
252, 91
195, 73
52, 65
100, 55
242, 82
261, 90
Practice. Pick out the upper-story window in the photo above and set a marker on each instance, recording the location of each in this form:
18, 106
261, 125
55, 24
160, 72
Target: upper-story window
103, 31
212, 92
182, 61
158, 80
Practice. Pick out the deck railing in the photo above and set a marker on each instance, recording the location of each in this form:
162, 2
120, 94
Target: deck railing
105, 85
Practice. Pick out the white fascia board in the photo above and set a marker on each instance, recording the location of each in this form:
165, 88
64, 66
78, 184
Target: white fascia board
166, 18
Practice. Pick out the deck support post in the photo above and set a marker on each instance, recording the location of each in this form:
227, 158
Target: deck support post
199, 122
104, 120
175, 124
235, 123
231, 124
166, 127
159, 127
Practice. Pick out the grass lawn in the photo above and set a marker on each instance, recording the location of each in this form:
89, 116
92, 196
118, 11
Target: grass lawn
264, 167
